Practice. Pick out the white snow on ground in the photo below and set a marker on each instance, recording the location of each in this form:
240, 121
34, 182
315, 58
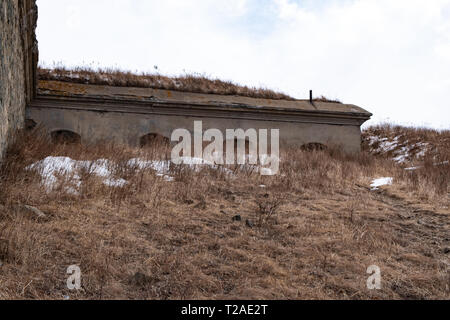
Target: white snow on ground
53, 167
163, 167
401, 158
402, 151
384, 144
412, 168
387, 146
420, 167
381, 182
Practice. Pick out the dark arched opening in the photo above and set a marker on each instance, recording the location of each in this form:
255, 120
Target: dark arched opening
30, 124
314, 147
65, 137
153, 140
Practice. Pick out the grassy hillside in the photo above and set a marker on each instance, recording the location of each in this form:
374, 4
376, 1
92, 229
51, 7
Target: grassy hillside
202, 232
406, 145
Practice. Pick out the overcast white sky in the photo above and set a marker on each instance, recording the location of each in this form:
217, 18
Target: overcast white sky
391, 57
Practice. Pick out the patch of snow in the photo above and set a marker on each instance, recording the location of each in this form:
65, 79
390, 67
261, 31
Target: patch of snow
50, 167
162, 168
266, 172
420, 167
168, 178
405, 152
376, 183
159, 166
387, 146
117, 183
402, 151
195, 161
401, 158
53, 167
424, 148
412, 168
375, 139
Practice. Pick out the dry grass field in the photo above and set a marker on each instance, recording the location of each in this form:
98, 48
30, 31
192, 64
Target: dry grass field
309, 232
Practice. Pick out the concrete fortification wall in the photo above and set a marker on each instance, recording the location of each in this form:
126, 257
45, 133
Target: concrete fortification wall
126, 115
18, 61
130, 115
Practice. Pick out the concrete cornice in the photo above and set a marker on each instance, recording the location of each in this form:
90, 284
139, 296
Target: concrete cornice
200, 110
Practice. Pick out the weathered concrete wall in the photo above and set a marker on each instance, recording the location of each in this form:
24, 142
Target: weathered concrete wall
18, 61
128, 128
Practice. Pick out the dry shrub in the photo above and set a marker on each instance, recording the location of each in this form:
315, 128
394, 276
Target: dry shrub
325, 99
268, 206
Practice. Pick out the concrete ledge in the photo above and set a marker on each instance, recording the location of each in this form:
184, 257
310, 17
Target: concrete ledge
210, 110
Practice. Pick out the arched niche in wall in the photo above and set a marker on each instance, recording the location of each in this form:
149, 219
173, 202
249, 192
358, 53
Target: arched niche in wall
65, 137
153, 140
314, 146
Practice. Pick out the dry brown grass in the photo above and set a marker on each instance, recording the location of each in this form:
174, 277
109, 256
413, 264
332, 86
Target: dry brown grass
438, 140
430, 174
325, 99
321, 227
187, 83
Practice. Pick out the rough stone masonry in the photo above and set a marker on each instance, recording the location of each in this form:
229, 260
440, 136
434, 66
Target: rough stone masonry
18, 62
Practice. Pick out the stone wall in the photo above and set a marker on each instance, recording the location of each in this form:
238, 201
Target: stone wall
18, 61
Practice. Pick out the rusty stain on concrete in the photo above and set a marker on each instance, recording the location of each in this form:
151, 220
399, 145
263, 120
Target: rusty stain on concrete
63, 88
